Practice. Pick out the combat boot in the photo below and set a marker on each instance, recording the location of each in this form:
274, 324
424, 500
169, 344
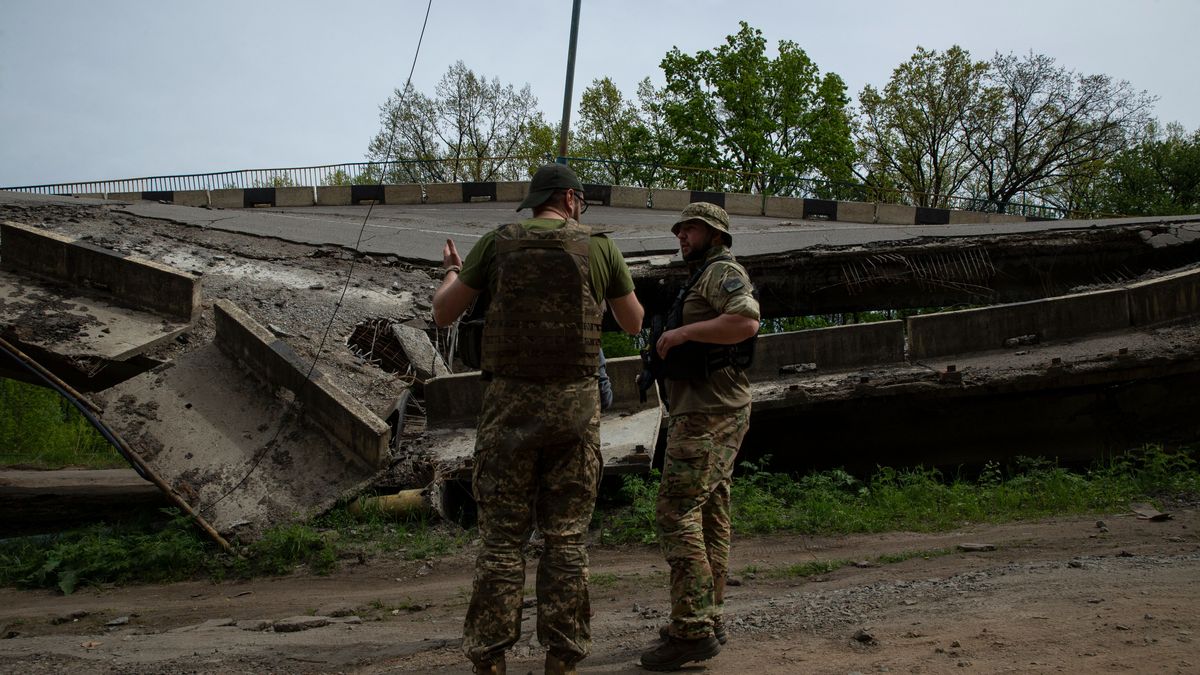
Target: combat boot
718, 630
496, 667
556, 666
674, 652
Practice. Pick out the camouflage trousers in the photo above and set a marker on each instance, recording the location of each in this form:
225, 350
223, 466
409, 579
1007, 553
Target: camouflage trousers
537, 463
692, 514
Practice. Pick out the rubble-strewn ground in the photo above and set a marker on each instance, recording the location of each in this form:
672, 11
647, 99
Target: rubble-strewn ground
1064, 595
292, 289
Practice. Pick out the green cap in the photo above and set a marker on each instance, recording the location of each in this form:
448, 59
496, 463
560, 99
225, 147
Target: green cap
548, 179
710, 214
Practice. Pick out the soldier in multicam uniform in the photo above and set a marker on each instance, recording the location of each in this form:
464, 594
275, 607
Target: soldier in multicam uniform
537, 452
707, 344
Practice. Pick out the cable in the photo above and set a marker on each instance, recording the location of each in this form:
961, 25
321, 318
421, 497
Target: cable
349, 273
81, 406
88, 411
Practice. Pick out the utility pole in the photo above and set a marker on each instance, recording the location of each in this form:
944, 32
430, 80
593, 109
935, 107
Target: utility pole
566, 115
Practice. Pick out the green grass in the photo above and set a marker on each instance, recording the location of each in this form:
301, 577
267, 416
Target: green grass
828, 502
141, 551
815, 567
811, 568
39, 429
603, 580
620, 344
921, 500
175, 550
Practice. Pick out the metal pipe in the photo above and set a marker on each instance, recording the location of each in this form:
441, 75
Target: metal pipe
46, 374
566, 116
403, 503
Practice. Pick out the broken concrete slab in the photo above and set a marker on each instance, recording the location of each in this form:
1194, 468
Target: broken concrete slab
426, 362
834, 348
82, 308
129, 280
1066, 400
228, 446
77, 325
984, 328
294, 624
628, 430
275, 363
39, 501
976, 548
1148, 512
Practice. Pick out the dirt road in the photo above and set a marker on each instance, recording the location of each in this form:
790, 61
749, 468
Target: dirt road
1062, 595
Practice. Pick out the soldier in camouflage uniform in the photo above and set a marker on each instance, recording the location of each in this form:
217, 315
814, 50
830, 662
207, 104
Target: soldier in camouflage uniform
537, 451
710, 413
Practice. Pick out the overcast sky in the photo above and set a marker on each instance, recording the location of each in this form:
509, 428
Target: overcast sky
127, 88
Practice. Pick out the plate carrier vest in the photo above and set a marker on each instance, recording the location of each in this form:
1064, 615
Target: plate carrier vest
542, 321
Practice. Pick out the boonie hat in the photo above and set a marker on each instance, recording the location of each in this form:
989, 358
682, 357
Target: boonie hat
547, 179
711, 214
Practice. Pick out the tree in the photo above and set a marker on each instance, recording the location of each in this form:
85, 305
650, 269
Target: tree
609, 129
1041, 124
775, 121
1159, 176
473, 129
632, 141
911, 134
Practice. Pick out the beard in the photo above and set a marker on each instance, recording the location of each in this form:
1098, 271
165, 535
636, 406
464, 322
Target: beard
699, 253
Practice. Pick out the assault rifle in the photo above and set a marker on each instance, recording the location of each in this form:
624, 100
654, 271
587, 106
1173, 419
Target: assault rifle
654, 368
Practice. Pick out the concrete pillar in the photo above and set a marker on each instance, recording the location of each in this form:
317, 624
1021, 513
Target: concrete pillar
232, 198
511, 191
856, 212
895, 214
670, 200
784, 207
405, 193
333, 195
740, 204
443, 193
294, 196
629, 197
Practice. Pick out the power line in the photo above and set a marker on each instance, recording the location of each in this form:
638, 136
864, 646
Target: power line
349, 274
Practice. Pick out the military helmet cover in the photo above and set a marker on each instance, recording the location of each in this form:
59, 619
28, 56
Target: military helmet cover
710, 214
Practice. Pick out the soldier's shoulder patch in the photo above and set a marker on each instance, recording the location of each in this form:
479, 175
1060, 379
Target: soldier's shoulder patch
732, 284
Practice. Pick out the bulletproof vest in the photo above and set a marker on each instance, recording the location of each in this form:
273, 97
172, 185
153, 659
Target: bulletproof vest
699, 360
542, 321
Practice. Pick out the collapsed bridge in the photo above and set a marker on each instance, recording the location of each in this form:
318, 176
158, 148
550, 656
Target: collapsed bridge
1077, 338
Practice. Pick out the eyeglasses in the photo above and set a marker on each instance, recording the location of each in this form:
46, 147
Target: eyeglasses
583, 202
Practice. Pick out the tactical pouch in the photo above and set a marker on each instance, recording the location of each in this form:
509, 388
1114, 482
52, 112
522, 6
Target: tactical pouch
470, 343
688, 361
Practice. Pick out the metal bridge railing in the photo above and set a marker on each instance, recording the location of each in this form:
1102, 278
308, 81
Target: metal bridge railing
349, 173
639, 174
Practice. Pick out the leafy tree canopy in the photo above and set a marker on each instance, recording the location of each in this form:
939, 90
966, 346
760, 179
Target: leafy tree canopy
1158, 176
472, 129
1041, 124
775, 121
911, 134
